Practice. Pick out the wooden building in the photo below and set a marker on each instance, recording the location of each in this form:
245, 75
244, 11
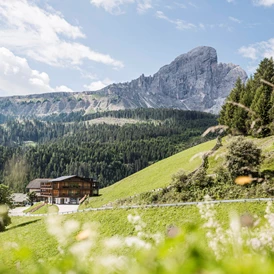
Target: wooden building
19, 199
68, 189
35, 186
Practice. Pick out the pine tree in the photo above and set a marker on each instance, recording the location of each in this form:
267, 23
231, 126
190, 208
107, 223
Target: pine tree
229, 111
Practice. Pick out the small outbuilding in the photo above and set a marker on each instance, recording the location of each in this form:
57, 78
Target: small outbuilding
19, 199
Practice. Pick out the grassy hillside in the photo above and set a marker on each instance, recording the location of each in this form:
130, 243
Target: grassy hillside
152, 177
31, 233
159, 174
46, 208
266, 144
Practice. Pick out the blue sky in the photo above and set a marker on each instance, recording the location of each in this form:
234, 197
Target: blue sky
57, 45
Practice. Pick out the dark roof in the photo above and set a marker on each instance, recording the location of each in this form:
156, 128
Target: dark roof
36, 183
62, 178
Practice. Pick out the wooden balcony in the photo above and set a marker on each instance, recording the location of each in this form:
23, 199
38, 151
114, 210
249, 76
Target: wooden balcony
46, 186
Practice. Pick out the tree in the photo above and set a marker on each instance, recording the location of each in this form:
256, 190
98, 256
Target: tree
5, 196
228, 112
4, 217
243, 157
31, 197
249, 107
5, 203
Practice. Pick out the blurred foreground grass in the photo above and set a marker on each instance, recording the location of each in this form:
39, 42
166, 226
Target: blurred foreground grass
27, 247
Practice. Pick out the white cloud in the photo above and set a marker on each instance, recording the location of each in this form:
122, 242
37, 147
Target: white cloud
225, 26
180, 24
193, 5
266, 3
230, 1
236, 20
16, 77
45, 36
202, 26
161, 15
116, 6
248, 52
97, 85
144, 5
180, 5
63, 88
263, 49
111, 6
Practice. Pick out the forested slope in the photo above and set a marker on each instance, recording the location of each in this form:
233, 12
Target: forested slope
109, 153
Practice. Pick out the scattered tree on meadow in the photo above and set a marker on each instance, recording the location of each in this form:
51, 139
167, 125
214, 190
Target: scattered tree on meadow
31, 197
5, 195
243, 157
5, 204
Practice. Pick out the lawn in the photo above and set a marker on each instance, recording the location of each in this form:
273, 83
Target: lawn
42, 210
266, 144
155, 176
159, 174
31, 232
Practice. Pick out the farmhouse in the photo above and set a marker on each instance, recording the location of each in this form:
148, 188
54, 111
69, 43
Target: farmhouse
35, 186
68, 189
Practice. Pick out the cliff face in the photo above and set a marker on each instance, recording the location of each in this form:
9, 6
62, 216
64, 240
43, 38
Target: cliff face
193, 81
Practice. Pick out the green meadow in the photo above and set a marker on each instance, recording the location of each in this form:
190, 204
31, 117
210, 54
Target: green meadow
159, 174
30, 233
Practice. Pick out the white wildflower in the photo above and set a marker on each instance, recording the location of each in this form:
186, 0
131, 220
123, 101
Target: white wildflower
71, 226
12, 245
137, 242
255, 243
81, 249
133, 219
113, 242
113, 263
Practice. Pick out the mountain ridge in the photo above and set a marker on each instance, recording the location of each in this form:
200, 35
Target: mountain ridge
192, 81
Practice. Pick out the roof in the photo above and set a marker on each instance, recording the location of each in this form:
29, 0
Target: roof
36, 183
19, 197
63, 178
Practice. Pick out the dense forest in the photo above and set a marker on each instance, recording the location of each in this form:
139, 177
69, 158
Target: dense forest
138, 114
249, 108
33, 148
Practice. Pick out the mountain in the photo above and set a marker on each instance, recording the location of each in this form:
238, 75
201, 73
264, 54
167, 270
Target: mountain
193, 81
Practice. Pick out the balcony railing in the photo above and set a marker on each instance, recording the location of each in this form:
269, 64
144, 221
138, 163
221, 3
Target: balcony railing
46, 186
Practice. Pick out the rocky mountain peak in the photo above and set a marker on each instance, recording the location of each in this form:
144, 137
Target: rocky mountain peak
193, 81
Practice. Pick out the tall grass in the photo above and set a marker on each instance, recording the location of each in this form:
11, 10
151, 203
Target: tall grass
91, 242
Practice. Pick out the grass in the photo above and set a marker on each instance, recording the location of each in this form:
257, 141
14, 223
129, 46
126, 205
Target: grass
152, 177
159, 175
47, 209
42, 210
31, 232
266, 144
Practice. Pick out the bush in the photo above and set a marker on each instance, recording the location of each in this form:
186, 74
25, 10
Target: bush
4, 217
243, 158
179, 180
200, 179
222, 176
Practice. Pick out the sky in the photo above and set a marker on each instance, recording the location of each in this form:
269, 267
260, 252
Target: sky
79, 45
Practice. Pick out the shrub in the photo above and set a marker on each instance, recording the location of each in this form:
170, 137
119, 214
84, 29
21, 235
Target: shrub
200, 179
222, 176
243, 157
179, 180
4, 217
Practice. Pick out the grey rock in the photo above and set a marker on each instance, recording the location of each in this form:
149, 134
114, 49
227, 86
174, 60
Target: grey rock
193, 81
